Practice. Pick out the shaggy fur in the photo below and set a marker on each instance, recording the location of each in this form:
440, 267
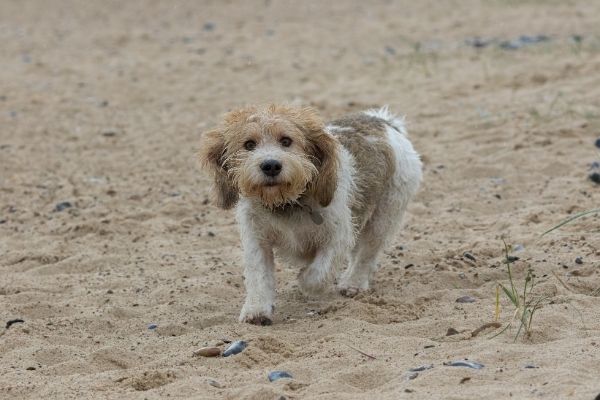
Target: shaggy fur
339, 196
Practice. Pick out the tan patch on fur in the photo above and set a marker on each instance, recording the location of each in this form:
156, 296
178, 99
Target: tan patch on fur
374, 160
212, 150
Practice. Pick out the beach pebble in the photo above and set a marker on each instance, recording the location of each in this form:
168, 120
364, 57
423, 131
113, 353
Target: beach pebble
595, 177
275, 375
466, 299
518, 247
579, 260
451, 332
152, 326
597, 143
412, 375
464, 363
421, 368
209, 26
62, 206
214, 383
236, 347
529, 366
468, 255
208, 352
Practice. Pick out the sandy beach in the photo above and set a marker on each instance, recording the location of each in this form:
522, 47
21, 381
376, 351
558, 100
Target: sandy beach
120, 268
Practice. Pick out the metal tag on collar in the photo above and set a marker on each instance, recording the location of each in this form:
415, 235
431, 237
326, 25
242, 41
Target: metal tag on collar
315, 216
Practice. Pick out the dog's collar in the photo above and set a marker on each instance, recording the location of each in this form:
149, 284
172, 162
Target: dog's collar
315, 216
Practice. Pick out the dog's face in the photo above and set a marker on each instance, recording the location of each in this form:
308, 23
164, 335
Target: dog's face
274, 154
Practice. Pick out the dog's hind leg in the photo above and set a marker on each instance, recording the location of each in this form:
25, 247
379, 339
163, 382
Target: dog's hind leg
376, 234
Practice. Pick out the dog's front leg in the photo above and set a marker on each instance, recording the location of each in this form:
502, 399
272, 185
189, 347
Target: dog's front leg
328, 260
259, 274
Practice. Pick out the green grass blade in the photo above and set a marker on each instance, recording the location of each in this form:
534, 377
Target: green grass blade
571, 219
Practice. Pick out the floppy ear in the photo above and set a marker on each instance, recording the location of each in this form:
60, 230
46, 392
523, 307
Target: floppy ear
324, 149
212, 151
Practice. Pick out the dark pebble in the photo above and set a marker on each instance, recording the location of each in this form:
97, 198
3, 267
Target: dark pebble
14, 321
104, 103
464, 363
30, 368
209, 26
152, 326
510, 259
468, 255
109, 133
478, 42
530, 366
466, 299
451, 332
275, 375
236, 347
595, 177
597, 143
579, 260
421, 368
2, 221
577, 38
595, 164
390, 50
62, 206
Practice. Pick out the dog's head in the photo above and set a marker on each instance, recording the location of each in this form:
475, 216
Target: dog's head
274, 154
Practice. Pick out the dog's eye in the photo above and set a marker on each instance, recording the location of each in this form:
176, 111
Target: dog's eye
286, 141
250, 145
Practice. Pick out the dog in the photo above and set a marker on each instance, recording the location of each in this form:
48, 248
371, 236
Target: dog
322, 196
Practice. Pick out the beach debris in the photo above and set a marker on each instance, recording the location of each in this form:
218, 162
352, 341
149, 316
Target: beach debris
152, 326
208, 352
478, 42
209, 26
469, 256
465, 379
62, 206
510, 259
466, 299
10, 323
275, 375
362, 352
518, 247
235, 348
522, 41
595, 177
451, 332
483, 327
597, 143
109, 133
530, 366
464, 363
412, 375
421, 368
214, 383
579, 260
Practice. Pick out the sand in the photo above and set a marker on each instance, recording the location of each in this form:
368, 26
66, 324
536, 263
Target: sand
102, 105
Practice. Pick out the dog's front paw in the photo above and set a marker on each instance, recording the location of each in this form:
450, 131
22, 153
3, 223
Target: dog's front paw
257, 315
349, 291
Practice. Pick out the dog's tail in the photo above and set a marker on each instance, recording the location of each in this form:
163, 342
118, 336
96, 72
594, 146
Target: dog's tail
384, 113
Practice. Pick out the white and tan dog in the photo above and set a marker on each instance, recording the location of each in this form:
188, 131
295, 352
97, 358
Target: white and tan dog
323, 197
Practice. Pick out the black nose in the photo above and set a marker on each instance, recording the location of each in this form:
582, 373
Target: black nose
271, 167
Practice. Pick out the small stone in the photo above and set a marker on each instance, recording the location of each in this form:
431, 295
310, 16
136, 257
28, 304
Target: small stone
30, 368
530, 366
390, 50
464, 363
109, 133
209, 26
14, 321
510, 259
466, 299
236, 347
208, 352
421, 368
62, 206
152, 326
597, 143
595, 177
579, 260
214, 383
469, 256
275, 375
451, 332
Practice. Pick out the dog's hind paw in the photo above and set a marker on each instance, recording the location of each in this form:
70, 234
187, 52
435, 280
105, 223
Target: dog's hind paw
349, 291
